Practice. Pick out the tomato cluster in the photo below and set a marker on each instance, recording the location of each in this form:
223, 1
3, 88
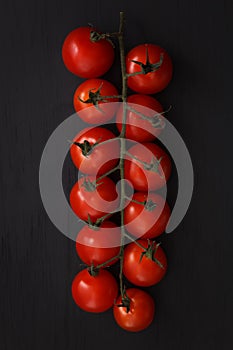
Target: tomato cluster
97, 152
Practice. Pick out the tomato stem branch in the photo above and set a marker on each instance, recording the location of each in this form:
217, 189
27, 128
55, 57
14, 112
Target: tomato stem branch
107, 173
134, 240
135, 201
102, 218
109, 97
156, 121
105, 263
153, 166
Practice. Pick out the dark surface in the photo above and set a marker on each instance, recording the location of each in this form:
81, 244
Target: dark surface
194, 301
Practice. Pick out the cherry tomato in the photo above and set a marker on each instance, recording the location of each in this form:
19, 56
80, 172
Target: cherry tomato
88, 200
96, 245
140, 313
85, 57
146, 123
144, 267
156, 64
149, 220
89, 156
94, 293
91, 104
150, 170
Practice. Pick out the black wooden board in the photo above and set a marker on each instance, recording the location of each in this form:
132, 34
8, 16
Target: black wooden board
37, 262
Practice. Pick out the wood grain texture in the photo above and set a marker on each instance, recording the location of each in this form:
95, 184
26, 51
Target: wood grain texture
37, 263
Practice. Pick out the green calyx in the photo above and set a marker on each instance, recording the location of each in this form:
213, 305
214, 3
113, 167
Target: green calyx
150, 253
125, 301
149, 67
96, 36
150, 205
154, 165
94, 97
85, 147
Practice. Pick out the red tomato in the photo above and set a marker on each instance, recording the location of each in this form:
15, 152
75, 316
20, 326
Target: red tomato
153, 81
143, 222
150, 170
85, 57
89, 156
94, 293
144, 268
144, 127
93, 201
96, 245
140, 314
87, 101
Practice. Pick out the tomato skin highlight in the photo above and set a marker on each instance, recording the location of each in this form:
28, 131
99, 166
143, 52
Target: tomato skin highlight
95, 246
84, 202
136, 126
95, 114
141, 313
152, 82
143, 272
85, 58
141, 178
148, 224
94, 293
101, 158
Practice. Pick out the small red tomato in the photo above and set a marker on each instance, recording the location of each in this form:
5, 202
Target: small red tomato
143, 120
140, 311
144, 267
156, 65
93, 201
92, 103
149, 220
89, 156
84, 56
94, 293
149, 167
96, 245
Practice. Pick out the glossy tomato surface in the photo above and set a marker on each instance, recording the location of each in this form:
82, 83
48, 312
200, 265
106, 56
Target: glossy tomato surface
141, 311
140, 268
93, 202
84, 57
94, 293
147, 223
97, 111
149, 169
96, 245
144, 121
151, 82
89, 156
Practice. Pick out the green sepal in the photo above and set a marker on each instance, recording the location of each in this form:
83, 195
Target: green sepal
149, 67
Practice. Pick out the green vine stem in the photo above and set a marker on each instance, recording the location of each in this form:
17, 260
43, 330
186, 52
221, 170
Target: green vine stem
123, 143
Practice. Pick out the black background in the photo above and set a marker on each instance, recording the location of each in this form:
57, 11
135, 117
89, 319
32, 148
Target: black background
38, 263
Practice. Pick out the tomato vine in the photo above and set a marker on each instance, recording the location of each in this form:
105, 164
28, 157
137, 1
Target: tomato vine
150, 251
